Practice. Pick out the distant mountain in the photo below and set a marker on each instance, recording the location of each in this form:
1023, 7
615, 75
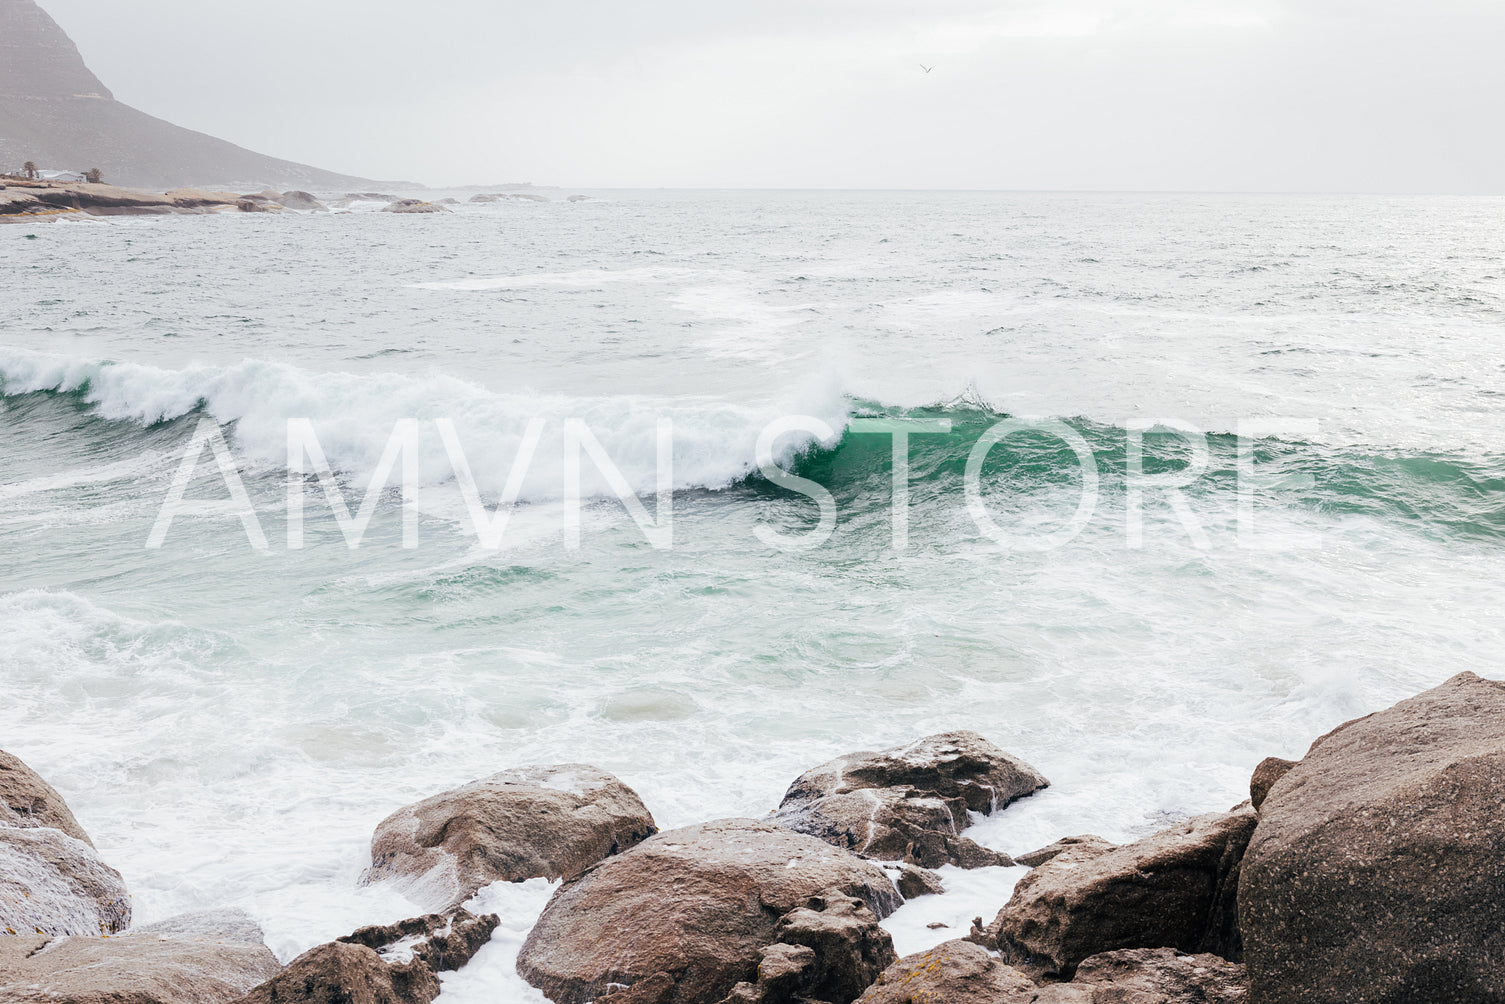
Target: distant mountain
55, 112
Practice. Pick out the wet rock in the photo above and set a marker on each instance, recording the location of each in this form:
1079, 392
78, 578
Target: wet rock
303, 202
257, 204
533, 822
1175, 889
388, 964
914, 881
340, 973
28, 801
180, 961
781, 973
830, 950
699, 904
1146, 976
414, 206
54, 884
442, 942
1036, 858
1377, 870
850, 949
212, 925
1269, 771
911, 802
956, 972
485, 198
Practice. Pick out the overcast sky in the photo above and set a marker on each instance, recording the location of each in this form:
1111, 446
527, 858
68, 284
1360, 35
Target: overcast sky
1243, 95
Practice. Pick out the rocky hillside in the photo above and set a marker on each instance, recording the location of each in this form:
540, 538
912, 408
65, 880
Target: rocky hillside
55, 112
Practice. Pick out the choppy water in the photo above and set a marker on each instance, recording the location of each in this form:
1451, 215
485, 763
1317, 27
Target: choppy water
230, 724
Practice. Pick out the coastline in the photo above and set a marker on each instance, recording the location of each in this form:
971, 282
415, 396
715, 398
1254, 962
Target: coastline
24, 200
1272, 902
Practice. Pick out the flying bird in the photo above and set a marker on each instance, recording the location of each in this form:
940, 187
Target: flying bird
927, 69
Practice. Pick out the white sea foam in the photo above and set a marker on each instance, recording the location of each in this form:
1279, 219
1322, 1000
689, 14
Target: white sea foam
354, 415
970, 893
491, 977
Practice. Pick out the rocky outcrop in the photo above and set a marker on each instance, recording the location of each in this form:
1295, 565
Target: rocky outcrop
1036, 858
1176, 889
914, 881
57, 885
1270, 770
29, 200
442, 942
414, 206
391, 964
303, 202
911, 802
340, 973
831, 949
1145, 976
198, 959
1377, 870
957, 972
690, 912
533, 822
257, 204
28, 801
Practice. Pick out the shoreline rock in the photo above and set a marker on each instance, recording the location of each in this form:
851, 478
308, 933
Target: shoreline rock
698, 905
549, 822
1175, 889
385, 964
206, 958
1377, 872
24, 201
52, 880
1369, 871
910, 803
28, 801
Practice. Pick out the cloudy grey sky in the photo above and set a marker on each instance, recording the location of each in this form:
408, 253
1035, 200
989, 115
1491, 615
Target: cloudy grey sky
1243, 95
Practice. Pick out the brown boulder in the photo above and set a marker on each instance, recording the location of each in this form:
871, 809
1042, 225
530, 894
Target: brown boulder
1270, 770
339, 973
1145, 976
1377, 873
914, 881
957, 972
389, 964
303, 202
911, 802
171, 963
442, 942
1171, 890
532, 822
1036, 858
54, 884
27, 800
414, 206
698, 904
830, 950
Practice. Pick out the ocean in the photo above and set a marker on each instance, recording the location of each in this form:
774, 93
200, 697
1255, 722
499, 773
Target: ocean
1191, 480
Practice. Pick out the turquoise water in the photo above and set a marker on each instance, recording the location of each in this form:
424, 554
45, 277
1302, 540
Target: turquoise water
230, 723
